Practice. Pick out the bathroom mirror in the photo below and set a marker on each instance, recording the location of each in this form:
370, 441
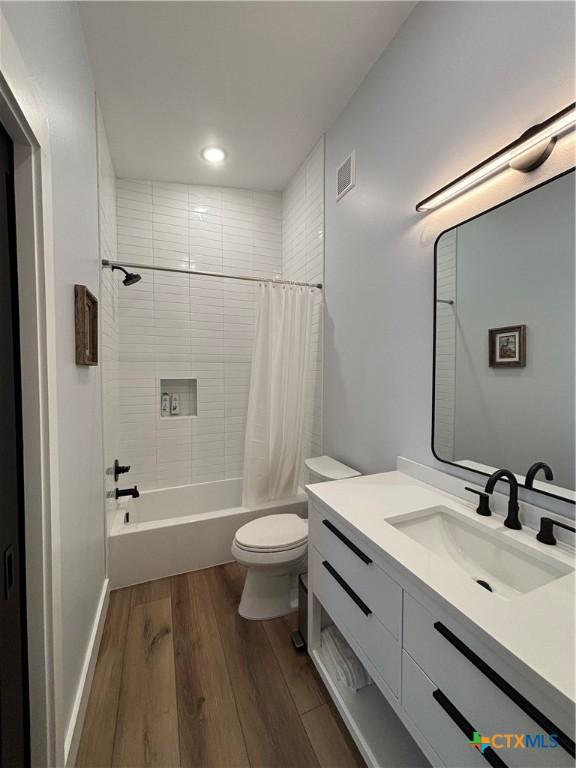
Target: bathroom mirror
504, 338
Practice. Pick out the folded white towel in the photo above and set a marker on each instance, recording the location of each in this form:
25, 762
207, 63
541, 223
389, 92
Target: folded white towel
349, 670
337, 662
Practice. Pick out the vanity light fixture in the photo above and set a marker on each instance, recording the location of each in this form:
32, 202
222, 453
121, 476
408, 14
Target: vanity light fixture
214, 155
524, 154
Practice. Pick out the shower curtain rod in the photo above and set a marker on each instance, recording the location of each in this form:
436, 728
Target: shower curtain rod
108, 263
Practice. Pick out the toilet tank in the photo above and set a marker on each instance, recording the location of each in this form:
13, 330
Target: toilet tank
323, 468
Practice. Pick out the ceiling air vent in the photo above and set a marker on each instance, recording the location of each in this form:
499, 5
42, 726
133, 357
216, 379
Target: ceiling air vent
346, 176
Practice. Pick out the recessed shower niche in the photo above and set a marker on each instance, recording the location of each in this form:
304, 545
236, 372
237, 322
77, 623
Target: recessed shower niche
178, 398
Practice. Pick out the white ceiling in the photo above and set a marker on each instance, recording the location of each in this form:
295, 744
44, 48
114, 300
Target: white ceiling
263, 80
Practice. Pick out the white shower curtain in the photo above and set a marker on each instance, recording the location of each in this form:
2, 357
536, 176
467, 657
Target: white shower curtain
277, 400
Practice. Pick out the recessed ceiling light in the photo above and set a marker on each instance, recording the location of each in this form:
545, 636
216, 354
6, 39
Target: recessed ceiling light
213, 154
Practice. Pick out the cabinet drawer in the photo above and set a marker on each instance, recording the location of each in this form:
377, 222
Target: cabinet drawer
351, 612
470, 687
442, 733
346, 554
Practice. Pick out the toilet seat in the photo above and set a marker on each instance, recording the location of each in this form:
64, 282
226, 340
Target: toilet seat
252, 558
272, 534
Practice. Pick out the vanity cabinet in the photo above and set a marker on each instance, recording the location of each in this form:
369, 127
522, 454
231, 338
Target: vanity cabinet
436, 659
380, 592
379, 649
436, 675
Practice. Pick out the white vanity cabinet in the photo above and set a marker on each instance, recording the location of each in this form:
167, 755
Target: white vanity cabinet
430, 670
381, 592
380, 650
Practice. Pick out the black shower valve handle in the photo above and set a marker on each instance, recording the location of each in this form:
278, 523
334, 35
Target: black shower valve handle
120, 469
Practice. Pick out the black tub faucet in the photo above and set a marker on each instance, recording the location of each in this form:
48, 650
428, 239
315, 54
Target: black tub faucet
512, 520
134, 492
534, 469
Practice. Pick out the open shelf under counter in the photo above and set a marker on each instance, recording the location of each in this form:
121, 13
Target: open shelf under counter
377, 730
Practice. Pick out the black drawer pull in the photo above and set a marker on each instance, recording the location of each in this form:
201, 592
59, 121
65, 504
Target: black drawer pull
458, 718
347, 588
533, 712
345, 540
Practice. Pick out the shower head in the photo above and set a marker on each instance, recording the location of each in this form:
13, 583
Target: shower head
131, 277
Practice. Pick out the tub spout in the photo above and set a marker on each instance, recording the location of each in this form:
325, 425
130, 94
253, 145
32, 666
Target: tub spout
134, 492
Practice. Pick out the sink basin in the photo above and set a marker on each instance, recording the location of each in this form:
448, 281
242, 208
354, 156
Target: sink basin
507, 568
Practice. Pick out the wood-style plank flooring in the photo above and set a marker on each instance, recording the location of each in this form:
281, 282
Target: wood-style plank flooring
183, 680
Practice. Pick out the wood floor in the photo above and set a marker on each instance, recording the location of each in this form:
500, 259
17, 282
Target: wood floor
183, 680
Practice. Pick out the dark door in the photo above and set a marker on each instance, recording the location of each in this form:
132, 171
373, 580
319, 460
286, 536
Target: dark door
13, 670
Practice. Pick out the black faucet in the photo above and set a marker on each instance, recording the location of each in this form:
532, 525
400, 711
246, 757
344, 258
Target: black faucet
534, 469
512, 520
134, 492
546, 532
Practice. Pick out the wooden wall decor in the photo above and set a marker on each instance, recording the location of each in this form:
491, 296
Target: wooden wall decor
86, 322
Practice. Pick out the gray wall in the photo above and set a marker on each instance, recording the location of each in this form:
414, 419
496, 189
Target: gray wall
516, 265
458, 81
50, 40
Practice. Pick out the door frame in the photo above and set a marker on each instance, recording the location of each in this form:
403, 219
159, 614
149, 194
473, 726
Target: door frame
24, 120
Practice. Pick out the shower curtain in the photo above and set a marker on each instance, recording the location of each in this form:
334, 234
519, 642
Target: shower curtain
277, 399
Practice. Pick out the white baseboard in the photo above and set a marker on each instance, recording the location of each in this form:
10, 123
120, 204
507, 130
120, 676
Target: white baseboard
74, 728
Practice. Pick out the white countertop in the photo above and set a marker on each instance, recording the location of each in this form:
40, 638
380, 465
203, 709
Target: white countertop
536, 627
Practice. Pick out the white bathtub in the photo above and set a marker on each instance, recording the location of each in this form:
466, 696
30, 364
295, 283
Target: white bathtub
174, 530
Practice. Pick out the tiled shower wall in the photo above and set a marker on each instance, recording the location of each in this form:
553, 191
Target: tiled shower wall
178, 326
174, 326
303, 260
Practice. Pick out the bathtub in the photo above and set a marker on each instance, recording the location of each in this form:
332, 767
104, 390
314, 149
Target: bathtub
174, 530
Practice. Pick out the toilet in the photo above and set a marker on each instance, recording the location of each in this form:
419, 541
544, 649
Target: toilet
274, 549
323, 468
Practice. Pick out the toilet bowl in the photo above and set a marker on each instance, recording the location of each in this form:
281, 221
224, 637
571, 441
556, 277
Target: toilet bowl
274, 549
